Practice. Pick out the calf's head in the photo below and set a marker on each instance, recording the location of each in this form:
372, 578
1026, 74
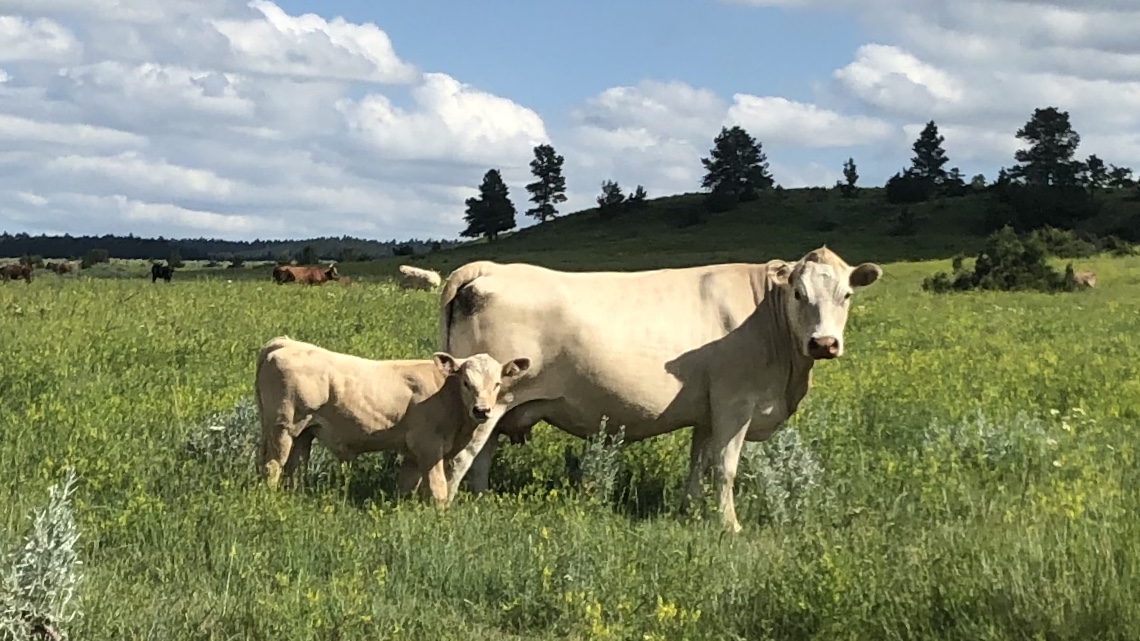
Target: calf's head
482, 379
818, 291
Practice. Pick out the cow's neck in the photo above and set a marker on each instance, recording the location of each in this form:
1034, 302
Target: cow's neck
783, 351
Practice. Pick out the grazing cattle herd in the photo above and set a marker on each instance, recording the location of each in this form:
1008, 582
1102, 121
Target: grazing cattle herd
16, 271
727, 349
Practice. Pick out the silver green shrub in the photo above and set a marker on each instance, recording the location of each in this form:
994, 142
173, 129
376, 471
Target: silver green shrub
38, 597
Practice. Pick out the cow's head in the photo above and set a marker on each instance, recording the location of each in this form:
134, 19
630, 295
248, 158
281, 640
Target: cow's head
332, 272
818, 291
482, 379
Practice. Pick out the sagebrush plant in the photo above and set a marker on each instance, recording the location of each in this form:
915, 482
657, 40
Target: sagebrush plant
600, 462
979, 438
227, 439
785, 474
39, 597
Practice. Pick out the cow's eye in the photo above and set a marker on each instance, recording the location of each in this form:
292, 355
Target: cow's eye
799, 296
847, 296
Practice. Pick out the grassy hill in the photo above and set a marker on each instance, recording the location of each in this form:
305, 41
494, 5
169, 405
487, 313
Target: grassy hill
675, 231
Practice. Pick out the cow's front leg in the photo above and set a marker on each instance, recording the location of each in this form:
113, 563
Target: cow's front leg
479, 479
730, 427
462, 461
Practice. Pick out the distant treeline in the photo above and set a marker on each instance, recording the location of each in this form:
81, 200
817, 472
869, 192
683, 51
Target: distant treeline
345, 248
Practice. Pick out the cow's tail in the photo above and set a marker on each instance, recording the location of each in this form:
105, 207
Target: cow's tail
457, 280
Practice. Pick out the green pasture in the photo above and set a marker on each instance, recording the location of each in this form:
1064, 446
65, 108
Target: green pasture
967, 471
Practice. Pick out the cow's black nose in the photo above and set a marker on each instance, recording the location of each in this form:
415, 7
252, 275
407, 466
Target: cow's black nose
480, 413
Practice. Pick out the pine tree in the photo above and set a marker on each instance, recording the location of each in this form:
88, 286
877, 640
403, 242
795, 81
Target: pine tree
636, 200
550, 188
1096, 173
737, 166
1048, 161
611, 199
851, 176
929, 157
492, 212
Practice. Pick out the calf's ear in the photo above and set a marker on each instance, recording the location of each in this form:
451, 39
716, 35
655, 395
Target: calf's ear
515, 367
446, 363
781, 273
865, 274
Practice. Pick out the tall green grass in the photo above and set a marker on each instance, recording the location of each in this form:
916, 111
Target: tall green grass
967, 471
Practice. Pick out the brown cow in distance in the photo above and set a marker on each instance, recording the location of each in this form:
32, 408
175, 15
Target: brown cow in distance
62, 267
305, 274
16, 271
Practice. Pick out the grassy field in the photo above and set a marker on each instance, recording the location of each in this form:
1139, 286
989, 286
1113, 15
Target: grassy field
967, 471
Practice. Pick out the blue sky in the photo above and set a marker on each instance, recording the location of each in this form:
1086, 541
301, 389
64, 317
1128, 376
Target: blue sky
243, 119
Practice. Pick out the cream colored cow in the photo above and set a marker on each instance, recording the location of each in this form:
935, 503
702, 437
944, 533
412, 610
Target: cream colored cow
1085, 279
417, 278
424, 409
727, 349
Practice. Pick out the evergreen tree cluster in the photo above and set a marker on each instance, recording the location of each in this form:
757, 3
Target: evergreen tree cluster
1047, 185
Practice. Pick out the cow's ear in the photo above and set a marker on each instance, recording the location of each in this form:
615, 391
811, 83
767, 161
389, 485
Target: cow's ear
446, 363
865, 274
516, 367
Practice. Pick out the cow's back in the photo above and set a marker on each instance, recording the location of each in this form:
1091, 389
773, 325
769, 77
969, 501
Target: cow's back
639, 344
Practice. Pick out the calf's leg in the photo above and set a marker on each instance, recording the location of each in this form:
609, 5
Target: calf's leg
276, 445
437, 482
299, 454
409, 476
698, 463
